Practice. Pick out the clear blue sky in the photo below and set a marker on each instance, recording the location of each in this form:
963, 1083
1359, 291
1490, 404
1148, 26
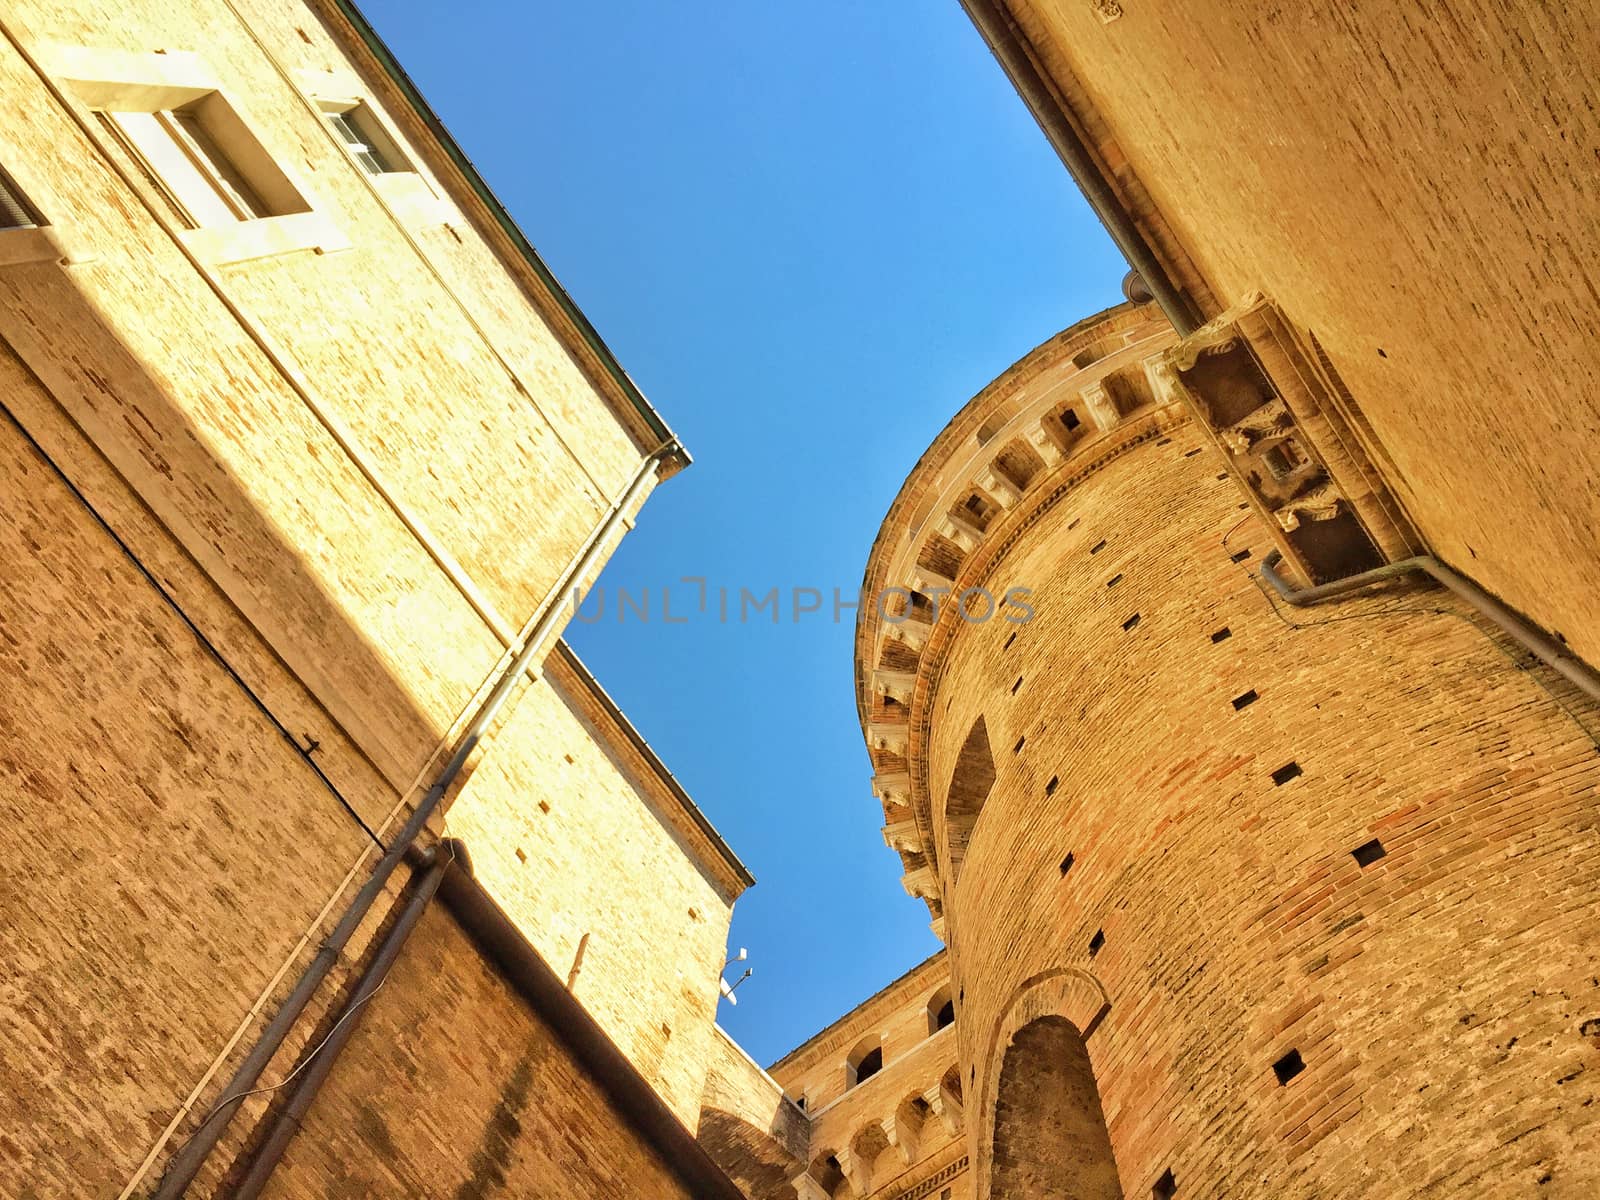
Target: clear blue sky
810, 231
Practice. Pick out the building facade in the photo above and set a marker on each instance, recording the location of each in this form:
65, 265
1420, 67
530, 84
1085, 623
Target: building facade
870, 1106
337, 873
1243, 896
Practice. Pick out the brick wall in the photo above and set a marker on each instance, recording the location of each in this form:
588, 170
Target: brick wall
748, 1126
1417, 187
579, 845
454, 1086
356, 468
1436, 996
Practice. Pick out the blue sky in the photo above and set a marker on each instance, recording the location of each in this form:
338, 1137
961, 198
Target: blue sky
810, 232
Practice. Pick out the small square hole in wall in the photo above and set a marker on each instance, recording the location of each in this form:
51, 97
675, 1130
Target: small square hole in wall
1097, 547
1009, 640
1017, 749
1016, 685
1221, 635
1050, 788
544, 806
1239, 556
1222, 475
1098, 940
1070, 419
1130, 623
1289, 770
1164, 442
1287, 1067
1166, 1187
1245, 700
1066, 864
1192, 453
522, 855
1114, 580
569, 758
1368, 853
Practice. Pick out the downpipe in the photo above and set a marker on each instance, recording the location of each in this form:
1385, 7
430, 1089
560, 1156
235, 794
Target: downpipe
431, 866
1549, 651
185, 1165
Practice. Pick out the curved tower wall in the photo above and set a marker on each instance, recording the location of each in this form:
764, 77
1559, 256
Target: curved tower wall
1167, 858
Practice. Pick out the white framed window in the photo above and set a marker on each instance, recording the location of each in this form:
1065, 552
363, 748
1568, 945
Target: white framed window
15, 210
365, 137
204, 162
190, 146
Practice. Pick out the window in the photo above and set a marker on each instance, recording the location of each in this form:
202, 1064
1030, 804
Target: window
871, 1063
863, 1062
358, 128
204, 162
15, 211
941, 1010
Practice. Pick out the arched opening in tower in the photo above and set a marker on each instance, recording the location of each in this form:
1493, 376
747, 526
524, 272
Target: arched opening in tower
1050, 1137
969, 788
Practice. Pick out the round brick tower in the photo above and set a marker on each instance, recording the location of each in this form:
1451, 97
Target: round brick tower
1242, 899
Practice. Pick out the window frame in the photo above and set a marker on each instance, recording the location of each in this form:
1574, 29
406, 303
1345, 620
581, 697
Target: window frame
108, 82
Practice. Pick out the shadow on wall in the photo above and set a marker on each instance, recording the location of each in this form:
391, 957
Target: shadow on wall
192, 881
755, 1159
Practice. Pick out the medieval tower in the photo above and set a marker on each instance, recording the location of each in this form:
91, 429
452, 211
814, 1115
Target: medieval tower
1251, 887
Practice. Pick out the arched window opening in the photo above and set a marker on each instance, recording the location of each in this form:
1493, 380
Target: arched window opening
1050, 1136
870, 1064
969, 788
941, 1010
863, 1062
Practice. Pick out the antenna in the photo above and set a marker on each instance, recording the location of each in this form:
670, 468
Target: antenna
727, 988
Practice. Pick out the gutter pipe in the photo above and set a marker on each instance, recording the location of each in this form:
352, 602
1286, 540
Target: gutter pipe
1556, 656
1010, 49
185, 1165
447, 870
286, 1122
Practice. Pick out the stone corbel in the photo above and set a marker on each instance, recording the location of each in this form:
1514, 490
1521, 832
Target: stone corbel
1046, 444
1272, 420
892, 787
855, 1174
963, 533
1317, 503
1102, 408
929, 582
998, 488
903, 1135
897, 685
945, 1106
908, 631
902, 836
920, 883
891, 739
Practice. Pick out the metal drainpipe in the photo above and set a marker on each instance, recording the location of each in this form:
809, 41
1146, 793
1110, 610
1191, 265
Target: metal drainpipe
1556, 656
998, 29
286, 1123
186, 1164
